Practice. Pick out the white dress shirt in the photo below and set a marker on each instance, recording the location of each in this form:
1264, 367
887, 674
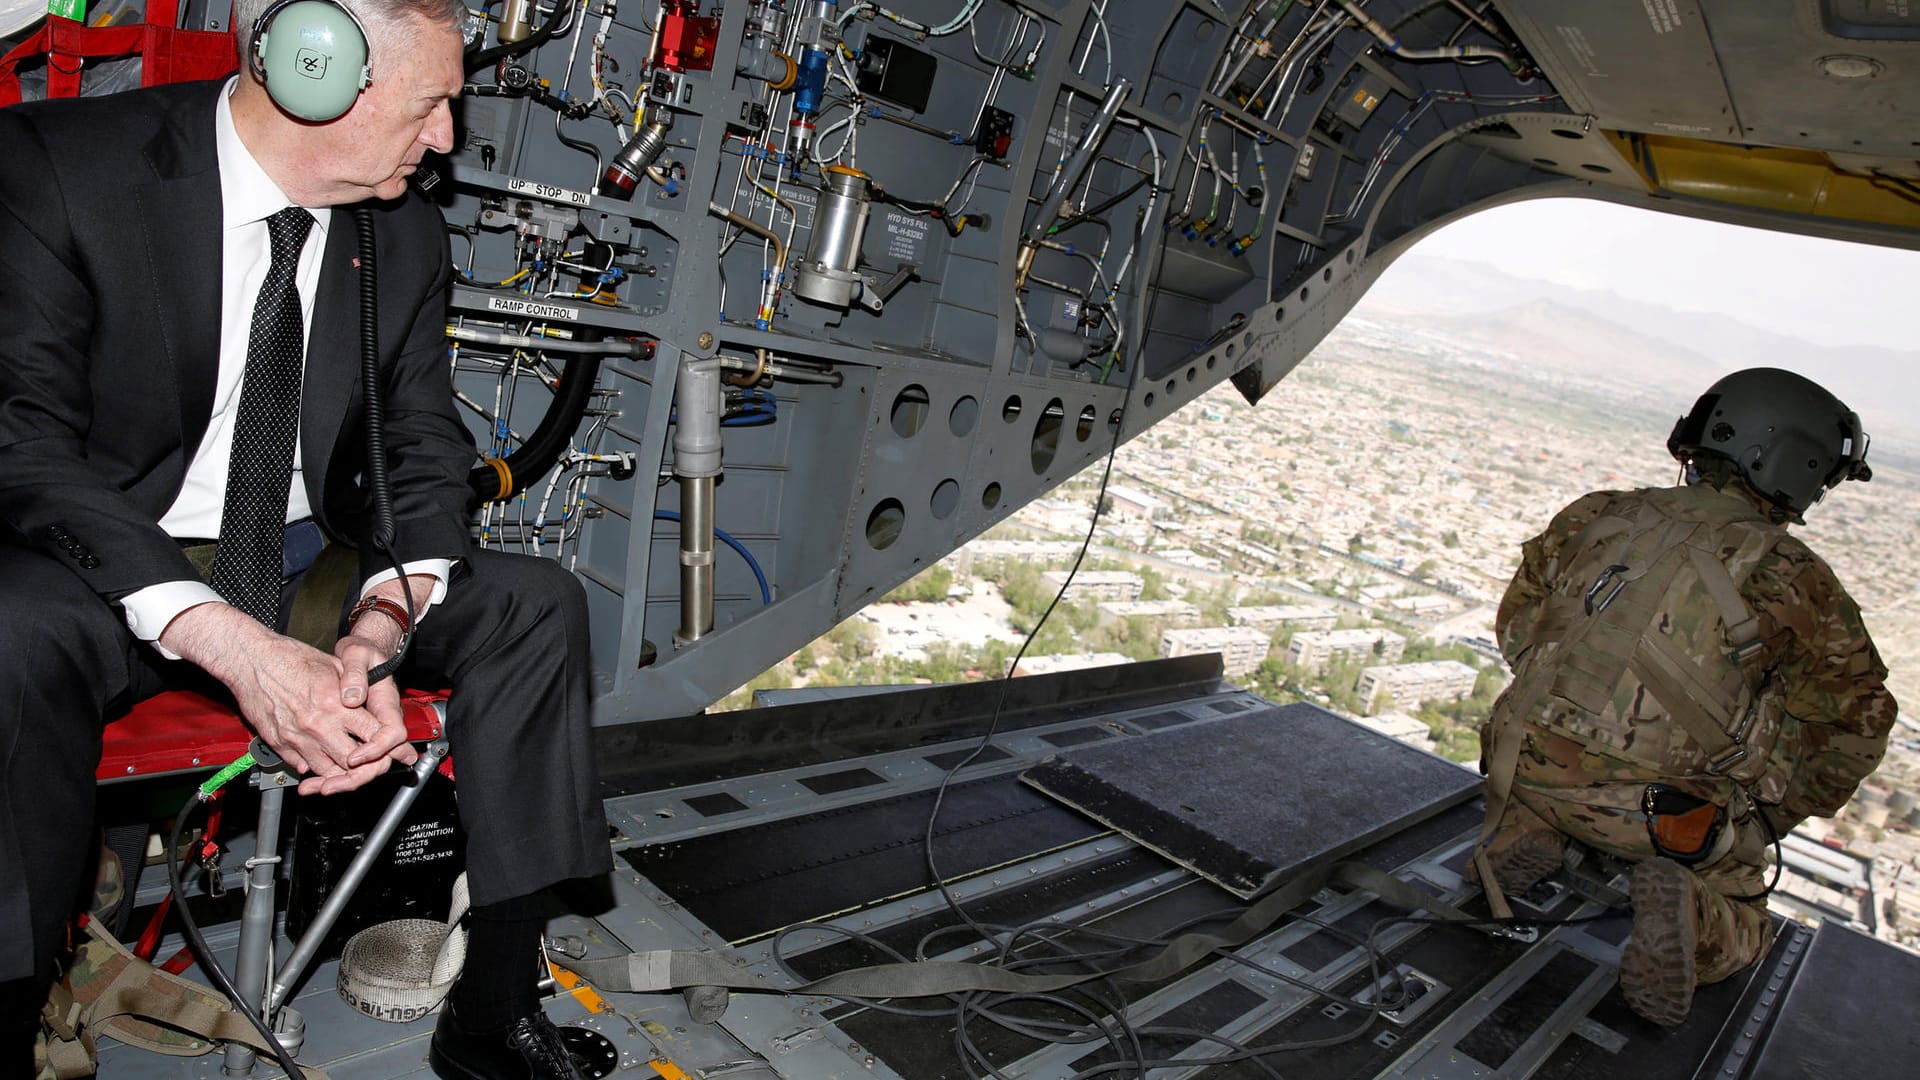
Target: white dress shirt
248, 196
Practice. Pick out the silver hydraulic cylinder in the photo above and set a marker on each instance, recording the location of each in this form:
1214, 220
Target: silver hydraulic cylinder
696, 465
516, 22
830, 274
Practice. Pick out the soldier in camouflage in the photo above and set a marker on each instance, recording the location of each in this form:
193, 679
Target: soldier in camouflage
1690, 683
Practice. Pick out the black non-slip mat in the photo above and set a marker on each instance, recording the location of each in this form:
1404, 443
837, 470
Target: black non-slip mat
752, 880
1247, 799
1852, 1012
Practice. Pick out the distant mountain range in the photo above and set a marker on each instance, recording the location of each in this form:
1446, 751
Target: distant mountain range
1602, 336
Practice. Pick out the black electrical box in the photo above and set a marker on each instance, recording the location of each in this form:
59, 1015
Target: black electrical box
896, 71
412, 879
995, 135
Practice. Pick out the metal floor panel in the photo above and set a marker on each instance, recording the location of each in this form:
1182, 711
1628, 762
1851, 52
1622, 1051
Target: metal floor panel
1247, 799
922, 1049
751, 881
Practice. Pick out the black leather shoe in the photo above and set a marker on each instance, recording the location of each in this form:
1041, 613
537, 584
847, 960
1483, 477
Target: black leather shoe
531, 1049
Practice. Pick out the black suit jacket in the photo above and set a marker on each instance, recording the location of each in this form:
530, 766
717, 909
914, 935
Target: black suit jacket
109, 343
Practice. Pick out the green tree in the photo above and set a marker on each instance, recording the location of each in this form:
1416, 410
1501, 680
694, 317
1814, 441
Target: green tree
777, 677
1026, 592
852, 641
928, 586
1213, 606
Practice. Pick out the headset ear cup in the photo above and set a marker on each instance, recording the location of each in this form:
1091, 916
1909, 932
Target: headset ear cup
313, 58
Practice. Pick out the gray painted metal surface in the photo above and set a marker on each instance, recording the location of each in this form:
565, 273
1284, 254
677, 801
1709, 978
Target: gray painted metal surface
1008, 355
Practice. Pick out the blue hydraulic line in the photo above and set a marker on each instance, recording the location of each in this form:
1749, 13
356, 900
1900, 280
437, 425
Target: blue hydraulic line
754, 408
766, 593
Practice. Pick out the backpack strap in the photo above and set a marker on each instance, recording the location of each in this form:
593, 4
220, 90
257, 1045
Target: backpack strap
1595, 643
109, 991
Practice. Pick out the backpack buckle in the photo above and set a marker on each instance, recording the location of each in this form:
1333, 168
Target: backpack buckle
1601, 583
1733, 755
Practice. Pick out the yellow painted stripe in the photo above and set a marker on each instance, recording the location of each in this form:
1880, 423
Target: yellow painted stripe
668, 1070
581, 992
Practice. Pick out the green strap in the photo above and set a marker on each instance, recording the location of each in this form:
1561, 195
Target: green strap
663, 970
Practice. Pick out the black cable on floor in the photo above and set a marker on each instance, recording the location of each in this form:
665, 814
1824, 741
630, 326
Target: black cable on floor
198, 943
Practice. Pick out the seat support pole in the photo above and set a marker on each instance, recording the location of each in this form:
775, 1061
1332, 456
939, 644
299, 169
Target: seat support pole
255, 952
356, 872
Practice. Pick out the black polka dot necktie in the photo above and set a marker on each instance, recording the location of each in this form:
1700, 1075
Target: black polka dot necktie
246, 566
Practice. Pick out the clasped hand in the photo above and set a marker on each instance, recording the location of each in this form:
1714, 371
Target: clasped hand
316, 711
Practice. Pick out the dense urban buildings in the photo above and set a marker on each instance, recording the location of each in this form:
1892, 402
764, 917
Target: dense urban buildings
1241, 648
1409, 686
1314, 650
1368, 515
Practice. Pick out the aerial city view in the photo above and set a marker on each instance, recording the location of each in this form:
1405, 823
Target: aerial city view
1347, 543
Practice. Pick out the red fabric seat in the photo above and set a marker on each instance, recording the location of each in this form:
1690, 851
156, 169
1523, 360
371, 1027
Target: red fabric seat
181, 731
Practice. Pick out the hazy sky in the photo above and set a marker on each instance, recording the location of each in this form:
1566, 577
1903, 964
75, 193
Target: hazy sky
1823, 291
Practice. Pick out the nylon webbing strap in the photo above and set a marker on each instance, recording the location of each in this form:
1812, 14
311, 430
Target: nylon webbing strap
186, 1014
1675, 682
1503, 760
661, 970
1741, 625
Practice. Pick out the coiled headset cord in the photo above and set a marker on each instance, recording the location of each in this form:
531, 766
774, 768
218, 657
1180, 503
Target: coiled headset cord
379, 487
381, 536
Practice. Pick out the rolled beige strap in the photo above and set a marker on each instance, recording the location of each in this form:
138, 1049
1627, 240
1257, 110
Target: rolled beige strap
400, 971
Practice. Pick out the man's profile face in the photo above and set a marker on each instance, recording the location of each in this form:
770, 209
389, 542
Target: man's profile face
372, 150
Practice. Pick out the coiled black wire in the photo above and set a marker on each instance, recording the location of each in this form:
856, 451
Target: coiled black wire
379, 485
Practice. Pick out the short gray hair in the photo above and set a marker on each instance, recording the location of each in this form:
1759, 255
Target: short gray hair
380, 17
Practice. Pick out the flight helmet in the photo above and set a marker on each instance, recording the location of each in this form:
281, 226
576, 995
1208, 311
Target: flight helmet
1786, 435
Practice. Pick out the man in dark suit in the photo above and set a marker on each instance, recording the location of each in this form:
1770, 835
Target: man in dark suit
141, 241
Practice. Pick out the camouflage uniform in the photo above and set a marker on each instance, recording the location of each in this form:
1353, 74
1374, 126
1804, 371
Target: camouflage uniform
1813, 680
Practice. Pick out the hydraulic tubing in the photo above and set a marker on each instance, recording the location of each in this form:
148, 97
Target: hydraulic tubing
1068, 178
639, 349
1391, 42
550, 438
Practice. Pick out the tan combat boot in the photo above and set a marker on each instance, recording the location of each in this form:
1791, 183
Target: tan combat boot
1521, 856
1657, 966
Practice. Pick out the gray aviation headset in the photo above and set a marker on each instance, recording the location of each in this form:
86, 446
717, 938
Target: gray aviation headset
312, 56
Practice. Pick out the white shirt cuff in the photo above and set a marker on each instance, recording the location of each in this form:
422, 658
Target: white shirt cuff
439, 569
150, 610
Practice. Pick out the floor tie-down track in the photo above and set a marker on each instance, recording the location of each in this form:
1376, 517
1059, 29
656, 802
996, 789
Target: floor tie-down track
812, 856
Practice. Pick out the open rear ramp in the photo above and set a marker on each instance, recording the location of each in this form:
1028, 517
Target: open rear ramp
810, 858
